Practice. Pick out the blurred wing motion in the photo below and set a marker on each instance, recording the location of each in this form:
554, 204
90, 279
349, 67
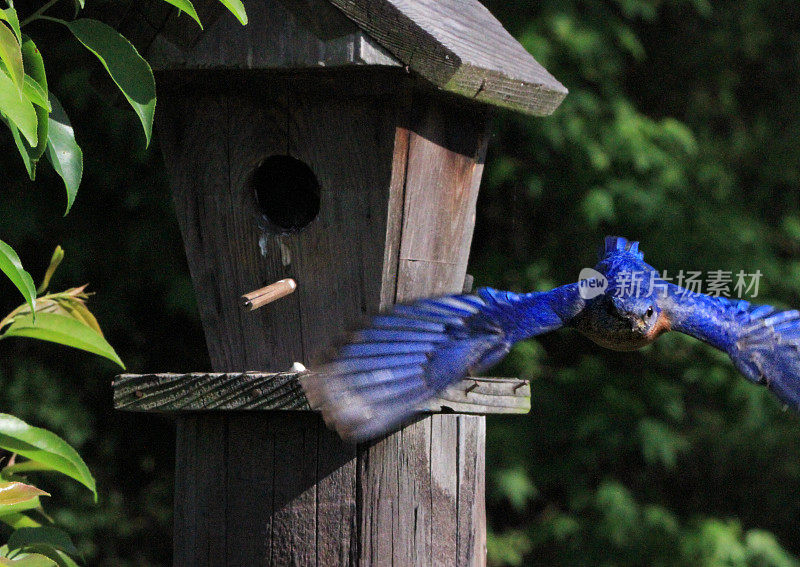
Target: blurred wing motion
763, 342
407, 356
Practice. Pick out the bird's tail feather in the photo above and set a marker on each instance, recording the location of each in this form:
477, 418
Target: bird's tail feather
405, 357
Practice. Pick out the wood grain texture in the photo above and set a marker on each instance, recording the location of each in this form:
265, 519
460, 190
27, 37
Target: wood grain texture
460, 47
201, 521
210, 391
213, 141
443, 173
471, 524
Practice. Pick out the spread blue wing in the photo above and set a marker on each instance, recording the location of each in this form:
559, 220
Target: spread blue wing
762, 341
767, 350
407, 356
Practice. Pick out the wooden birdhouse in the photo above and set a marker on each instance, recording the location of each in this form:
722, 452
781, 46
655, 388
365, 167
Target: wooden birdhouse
340, 144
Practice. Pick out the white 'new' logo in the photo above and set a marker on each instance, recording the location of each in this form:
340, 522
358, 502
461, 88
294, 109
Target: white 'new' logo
591, 283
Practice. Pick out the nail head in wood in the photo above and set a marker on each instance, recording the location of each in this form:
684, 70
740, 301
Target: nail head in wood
268, 294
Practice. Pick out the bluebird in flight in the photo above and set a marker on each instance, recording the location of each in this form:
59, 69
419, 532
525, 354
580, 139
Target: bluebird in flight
410, 354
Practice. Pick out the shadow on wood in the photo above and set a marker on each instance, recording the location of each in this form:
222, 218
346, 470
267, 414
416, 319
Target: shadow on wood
267, 479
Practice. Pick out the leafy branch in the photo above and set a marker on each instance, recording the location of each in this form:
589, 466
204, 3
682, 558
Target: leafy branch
33, 543
60, 317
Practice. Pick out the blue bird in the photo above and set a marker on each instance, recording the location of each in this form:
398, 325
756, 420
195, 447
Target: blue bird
410, 354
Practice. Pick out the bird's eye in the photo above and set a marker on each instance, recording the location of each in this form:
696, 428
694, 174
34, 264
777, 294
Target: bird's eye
649, 312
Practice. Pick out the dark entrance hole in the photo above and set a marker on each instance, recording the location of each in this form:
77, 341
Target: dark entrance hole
287, 193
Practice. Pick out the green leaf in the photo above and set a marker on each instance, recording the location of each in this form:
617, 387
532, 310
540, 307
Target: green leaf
61, 558
127, 68
186, 6
17, 108
237, 9
11, 55
35, 89
55, 261
44, 447
15, 493
11, 266
35, 73
10, 15
36, 93
18, 520
30, 560
24, 538
64, 330
24, 467
13, 509
22, 148
63, 151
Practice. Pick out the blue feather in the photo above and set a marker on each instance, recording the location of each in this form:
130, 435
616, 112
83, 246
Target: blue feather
350, 365
407, 356
385, 348
394, 322
395, 335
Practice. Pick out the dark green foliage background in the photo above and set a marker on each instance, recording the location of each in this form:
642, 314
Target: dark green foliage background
680, 131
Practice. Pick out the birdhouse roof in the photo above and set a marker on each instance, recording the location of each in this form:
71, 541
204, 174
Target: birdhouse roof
457, 45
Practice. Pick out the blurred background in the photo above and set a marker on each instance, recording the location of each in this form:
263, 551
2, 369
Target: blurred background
680, 130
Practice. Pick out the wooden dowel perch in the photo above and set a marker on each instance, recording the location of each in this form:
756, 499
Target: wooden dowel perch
268, 294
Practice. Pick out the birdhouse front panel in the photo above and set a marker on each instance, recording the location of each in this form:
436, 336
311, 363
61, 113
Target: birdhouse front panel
287, 178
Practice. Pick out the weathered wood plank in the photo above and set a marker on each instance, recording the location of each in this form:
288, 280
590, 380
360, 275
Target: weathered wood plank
413, 524
394, 217
206, 391
471, 526
214, 134
200, 490
444, 169
250, 485
444, 486
294, 510
221, 140
400, 493
337, 495
460, 47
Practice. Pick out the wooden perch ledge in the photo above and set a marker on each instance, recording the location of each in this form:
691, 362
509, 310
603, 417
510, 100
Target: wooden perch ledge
203, 391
